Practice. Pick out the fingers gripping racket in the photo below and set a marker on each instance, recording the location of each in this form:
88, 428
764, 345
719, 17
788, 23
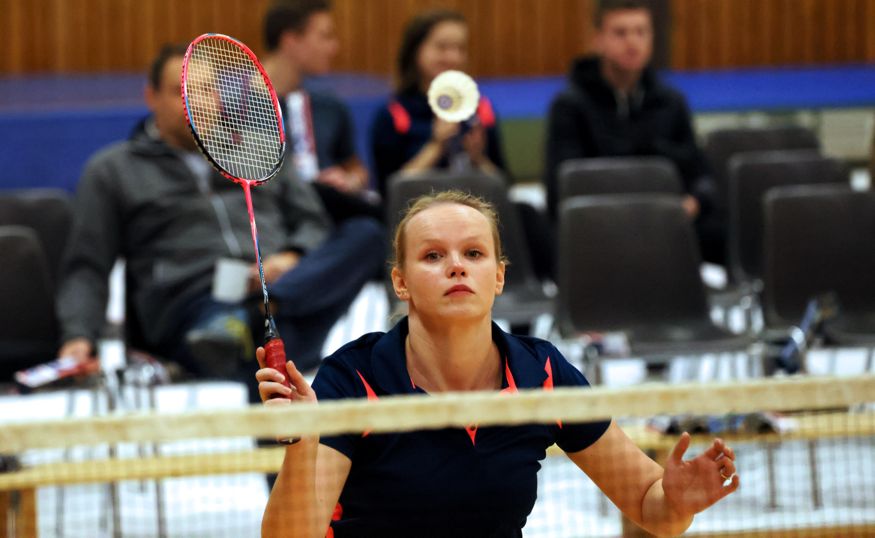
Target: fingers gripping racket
234, 115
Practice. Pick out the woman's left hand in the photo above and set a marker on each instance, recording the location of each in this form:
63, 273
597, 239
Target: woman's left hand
693, 485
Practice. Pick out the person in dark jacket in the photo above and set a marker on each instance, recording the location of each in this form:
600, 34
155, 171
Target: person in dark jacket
616, 105
301, 43
155, 202
407, 137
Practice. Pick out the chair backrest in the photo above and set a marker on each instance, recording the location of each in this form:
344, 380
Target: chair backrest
49, 212
627, 261
402, 188
134, 334
751, 175
722, 144
28, 326
618, 175
817, 239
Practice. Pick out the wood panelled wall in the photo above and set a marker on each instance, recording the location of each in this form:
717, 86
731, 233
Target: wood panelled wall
751, 33
509, 37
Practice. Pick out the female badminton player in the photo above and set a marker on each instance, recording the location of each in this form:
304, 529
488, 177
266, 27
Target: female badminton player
449, 267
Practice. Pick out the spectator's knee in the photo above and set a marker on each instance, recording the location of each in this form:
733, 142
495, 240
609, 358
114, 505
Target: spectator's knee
368, 227
369, 232
370, 237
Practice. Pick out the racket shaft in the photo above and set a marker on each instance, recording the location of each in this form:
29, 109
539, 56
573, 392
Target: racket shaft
275, 357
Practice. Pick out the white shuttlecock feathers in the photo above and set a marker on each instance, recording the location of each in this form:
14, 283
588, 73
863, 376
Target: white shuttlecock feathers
453, 96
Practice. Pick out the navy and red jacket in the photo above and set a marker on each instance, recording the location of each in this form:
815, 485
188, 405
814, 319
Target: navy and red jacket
404, 125
449, 482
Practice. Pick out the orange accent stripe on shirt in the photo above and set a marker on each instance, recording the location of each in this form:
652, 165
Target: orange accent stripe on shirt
511, 384
368, 390
338, 513
548, 383
472, 433
372, 396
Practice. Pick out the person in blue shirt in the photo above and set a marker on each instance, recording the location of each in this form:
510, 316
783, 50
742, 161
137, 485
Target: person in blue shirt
301, 42
449, 267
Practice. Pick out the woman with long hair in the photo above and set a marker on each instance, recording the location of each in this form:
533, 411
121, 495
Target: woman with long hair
405, 134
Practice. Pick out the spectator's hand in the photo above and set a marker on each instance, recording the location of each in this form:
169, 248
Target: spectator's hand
474, 143
270, 384
80, 349
340, 179
694, 485
691, 206
275, 266
441, 130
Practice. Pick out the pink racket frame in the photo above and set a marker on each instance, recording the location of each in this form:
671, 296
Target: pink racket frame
279, 115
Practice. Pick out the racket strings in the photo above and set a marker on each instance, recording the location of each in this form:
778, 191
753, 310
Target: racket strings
232, 112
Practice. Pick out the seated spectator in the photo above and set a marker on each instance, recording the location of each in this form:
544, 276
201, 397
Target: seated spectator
301, 42
155, 201
407, 136
616, 105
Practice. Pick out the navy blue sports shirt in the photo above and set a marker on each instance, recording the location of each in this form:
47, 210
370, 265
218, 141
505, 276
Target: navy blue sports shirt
452, 482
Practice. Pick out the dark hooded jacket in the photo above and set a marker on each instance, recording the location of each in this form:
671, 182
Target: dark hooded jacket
589, 119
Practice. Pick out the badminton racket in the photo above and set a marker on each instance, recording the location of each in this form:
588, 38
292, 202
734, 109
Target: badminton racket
235, 118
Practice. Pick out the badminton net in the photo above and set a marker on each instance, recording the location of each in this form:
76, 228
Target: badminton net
803, 449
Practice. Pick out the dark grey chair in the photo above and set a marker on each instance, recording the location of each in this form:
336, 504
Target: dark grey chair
524, 299
721, 145
28, 327
751, 175
35, 224
820, 239
618, 175
719, 148
631, 175
34, 229
630, 264
49, 213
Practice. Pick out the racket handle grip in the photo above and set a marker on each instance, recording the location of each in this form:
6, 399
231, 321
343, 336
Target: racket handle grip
275, 357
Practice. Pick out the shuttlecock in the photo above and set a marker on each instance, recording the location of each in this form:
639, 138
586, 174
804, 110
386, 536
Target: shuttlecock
453, 96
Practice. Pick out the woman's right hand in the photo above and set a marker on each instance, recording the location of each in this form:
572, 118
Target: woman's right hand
271, 388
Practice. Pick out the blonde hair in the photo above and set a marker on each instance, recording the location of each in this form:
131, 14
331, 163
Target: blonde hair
427, 201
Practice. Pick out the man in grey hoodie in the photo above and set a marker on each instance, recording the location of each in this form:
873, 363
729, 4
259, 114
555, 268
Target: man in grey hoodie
154, 201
